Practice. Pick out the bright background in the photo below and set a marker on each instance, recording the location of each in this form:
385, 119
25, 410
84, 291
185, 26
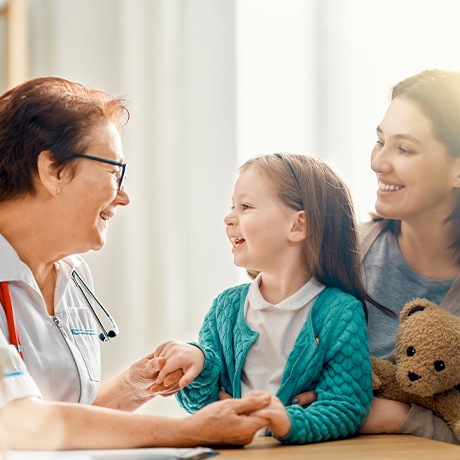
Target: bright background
211, 83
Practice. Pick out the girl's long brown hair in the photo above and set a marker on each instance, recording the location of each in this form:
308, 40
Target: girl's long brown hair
331, 252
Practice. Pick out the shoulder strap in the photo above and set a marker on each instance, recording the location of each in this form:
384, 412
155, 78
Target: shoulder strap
451, 301
369, 231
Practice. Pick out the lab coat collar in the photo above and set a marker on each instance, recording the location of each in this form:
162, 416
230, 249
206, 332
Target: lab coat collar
12, 268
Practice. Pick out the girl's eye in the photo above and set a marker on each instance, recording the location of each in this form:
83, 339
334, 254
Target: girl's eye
379, 143
404, 151
244, 206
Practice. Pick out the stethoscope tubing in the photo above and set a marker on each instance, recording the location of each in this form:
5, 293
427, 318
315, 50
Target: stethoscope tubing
5, 300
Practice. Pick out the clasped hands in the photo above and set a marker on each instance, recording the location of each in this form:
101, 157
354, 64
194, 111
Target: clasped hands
175, 364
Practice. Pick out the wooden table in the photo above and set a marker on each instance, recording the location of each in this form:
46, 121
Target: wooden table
371, 447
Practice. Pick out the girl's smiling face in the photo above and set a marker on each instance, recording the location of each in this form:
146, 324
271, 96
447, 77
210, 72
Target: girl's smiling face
259, 224
416, 175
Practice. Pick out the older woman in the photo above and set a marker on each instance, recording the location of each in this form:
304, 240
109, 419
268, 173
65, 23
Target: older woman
61, 181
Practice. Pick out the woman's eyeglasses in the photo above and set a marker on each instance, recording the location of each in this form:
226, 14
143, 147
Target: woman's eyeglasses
123, 166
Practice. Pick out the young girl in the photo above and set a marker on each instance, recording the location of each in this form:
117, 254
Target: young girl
301, 323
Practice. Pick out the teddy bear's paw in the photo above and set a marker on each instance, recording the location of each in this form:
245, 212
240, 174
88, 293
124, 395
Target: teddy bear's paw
376, 382
456, 428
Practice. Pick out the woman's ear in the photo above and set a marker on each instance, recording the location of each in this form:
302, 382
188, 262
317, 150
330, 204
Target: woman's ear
48, 173
299, 228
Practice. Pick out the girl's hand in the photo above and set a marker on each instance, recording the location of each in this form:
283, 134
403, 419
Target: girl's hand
183, 363
385, 416
278, 421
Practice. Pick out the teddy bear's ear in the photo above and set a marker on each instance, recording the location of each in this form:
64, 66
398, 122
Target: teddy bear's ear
414, 306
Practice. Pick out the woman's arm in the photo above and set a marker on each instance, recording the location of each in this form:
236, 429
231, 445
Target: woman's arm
30, 423
422, 422
133, 387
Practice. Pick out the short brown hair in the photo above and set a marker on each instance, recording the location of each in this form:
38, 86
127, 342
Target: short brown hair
48, 113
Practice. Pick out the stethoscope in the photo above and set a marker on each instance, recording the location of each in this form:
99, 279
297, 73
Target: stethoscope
104, 336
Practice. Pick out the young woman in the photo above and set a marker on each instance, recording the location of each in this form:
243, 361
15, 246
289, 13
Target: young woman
301, 323
413, 248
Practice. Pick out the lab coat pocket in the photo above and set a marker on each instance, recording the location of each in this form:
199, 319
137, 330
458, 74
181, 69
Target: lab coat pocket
84, 336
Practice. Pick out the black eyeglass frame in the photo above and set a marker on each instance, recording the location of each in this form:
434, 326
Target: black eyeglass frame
123, 166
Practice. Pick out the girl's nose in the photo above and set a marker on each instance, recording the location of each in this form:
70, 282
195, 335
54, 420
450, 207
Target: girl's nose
229, 218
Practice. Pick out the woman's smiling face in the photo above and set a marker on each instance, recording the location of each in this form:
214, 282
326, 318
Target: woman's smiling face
91, 196
416, 176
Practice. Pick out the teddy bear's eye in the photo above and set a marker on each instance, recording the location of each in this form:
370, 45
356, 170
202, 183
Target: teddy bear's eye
439, 366
410, 351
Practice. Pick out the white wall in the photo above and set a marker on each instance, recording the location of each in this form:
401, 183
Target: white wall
210, 83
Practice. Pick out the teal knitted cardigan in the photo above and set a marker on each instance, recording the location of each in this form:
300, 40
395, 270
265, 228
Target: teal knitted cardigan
330, 356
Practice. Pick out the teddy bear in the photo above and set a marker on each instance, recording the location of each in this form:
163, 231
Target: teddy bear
426, 369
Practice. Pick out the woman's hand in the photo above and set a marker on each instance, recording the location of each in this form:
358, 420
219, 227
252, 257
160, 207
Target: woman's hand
233, 421
386, 416
136, 385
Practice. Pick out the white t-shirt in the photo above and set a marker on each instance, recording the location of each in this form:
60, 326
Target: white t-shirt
278, 327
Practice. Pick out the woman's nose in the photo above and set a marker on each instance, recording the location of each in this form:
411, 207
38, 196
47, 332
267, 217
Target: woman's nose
122, 198
380, 160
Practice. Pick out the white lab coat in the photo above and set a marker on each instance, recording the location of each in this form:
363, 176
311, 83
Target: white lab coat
15, 380
62, 353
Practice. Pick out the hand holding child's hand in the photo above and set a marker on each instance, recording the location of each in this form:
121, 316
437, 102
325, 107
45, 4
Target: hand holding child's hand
183, 362
277, 417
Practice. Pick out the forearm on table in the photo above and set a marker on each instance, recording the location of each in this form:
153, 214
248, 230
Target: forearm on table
55, 426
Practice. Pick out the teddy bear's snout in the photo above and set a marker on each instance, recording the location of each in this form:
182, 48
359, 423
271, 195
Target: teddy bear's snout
413, 376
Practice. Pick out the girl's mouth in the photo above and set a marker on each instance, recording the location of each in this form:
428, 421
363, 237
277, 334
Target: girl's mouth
237, 241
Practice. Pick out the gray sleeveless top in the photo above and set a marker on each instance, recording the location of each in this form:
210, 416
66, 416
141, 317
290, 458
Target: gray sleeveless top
391, 281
